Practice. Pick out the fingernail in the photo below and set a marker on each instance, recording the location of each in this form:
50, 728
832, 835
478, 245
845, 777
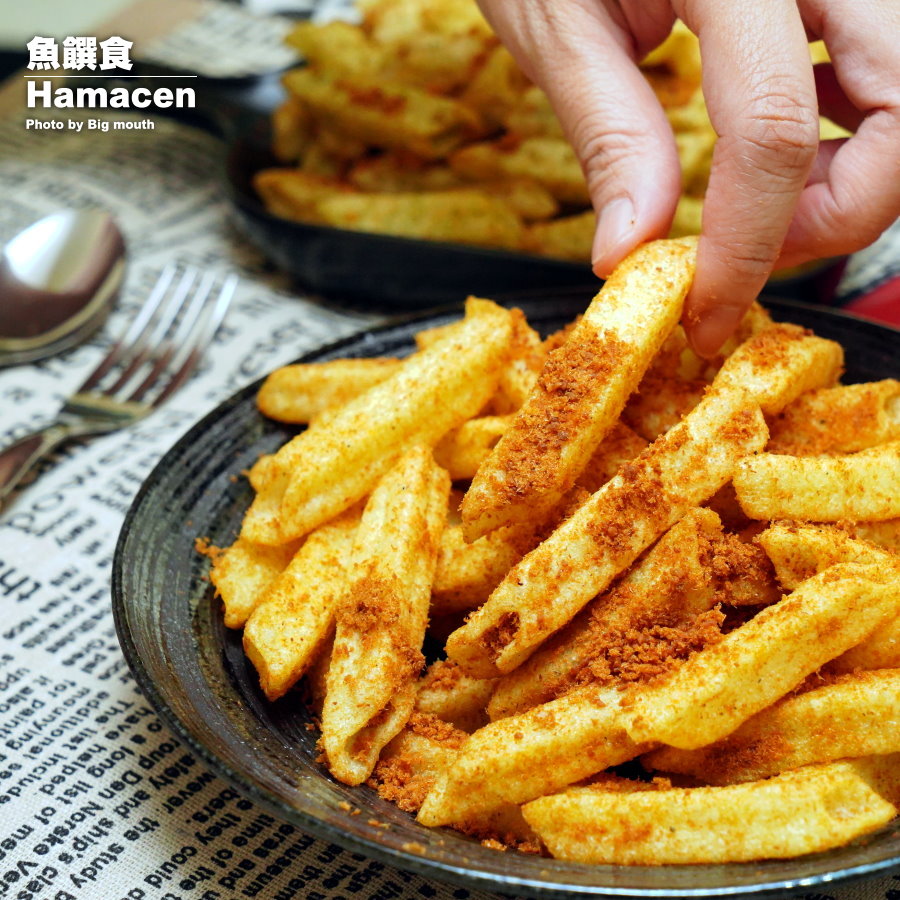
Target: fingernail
713, 329
614, 229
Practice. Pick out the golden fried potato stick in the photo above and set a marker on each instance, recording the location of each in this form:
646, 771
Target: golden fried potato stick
295, 616
850, 717
242, 572
298, 393
805, 811
550, 161
447, 692
329, 467
551, 584
372, 679
781, 362
384, 114
582, 389
885, 534
458, 215
800, 551
522, 757
291, 131
462, 450
841, 419
723, 685
671, 583
567, 237
293, 194
862, 486
496, 87
526, 359
337, 48
468, 573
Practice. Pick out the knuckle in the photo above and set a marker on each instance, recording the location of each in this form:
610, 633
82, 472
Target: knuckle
782, 133
604, 154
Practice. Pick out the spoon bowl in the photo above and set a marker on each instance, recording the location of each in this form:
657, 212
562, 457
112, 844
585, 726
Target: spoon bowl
58, 280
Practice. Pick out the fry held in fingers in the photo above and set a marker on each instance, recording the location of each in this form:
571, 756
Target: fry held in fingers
581, 390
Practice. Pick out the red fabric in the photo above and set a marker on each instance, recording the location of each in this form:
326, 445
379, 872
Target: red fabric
880, 305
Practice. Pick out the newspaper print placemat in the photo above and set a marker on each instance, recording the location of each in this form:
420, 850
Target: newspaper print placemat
98, 801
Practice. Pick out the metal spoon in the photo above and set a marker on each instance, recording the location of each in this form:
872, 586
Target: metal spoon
58, 279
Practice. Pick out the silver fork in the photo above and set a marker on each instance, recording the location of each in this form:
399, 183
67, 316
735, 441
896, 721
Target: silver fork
153, 357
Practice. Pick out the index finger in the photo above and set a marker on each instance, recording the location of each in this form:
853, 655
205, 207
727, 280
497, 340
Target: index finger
760, 92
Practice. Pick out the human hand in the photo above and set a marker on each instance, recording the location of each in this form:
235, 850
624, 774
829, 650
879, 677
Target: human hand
776, 195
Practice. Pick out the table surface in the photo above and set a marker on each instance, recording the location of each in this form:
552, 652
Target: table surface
98, 800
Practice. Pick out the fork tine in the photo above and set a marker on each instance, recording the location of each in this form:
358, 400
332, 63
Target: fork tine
203, 335
149, 339
162, 354
131, 334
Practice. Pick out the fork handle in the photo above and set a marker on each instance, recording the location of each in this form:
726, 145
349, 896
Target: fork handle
19, 458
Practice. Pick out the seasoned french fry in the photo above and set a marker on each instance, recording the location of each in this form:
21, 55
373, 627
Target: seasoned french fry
582, 389
295, 615
327, 469
242, 572
291, 131
863, 486
293, 194
804, 811
526, 359
882, 773
298, 393
337, 48
723, 685
847, 718
568, 237
413, 760
842, 419
885, 534
496, 87
621, 445
779, 363
671, 584
459, 215
522, 757
385, 114
653, 409
447, 692
800, 551
550, 161
579, 560
371, 682
467, 573
398, 171
463, 450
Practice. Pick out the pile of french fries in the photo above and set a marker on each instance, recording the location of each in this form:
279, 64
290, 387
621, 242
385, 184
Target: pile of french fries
667, 587
418, 123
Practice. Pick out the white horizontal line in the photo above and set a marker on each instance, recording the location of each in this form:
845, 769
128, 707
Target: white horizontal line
52, 75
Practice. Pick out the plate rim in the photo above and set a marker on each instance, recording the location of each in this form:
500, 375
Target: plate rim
427, 867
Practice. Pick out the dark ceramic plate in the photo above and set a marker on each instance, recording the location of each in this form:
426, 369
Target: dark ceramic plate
195, 674
400, 273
